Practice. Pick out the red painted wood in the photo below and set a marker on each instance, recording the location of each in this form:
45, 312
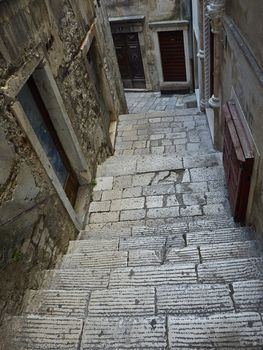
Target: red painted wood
238, 161
172, 54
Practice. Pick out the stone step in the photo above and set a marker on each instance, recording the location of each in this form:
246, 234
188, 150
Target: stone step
123, 302
145, 276
55, 303
93, 245
123, 244
248, 295
187, 299
207, 252
229, 271
97, 260
124, 333
221, 331
224, 235
77, 279
41, 333
231, 250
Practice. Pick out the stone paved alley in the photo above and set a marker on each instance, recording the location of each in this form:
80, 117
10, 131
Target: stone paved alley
161, 264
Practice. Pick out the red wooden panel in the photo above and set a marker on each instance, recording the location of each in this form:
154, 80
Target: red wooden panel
172, 54
237, 160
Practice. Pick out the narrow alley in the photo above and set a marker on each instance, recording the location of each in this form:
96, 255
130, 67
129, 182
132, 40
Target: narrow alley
161, 263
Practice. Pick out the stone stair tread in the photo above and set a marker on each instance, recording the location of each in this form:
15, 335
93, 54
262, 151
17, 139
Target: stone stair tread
122, 302
35, 332
153, 275
248, 295
144, 257
96, 260
80, 279
218, 236
189, 299
124, 333
221, 331
93, 245
57, 303
231, 250
152, 243
231, 270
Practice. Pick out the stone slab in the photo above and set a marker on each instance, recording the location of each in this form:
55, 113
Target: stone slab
57, 303
77, 279
127, 203
93, 245
170, 212
184, 255
104, 217
157, 163
122, 302
124, 333
194, 299
231, 250
153, 243
222, 331
224, 235
99, 206
153, 276
144, 257
41, 333
105, 259
248, 296
231, 270
103, 183
161, 189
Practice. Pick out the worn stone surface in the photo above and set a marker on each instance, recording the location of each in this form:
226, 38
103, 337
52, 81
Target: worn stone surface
58, 303
194, 299
124, 332
223, 331
122, 302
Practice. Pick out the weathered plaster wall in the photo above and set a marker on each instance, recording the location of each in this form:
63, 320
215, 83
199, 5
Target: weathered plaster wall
154, 11
239, 73
34, 225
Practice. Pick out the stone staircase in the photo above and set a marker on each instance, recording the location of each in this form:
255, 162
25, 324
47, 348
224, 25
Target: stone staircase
161, 264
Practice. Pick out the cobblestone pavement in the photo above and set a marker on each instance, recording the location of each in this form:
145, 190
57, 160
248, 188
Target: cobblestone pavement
139, 102
161, 263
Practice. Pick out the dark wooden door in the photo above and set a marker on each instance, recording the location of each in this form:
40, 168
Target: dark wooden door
172, 55
129, 59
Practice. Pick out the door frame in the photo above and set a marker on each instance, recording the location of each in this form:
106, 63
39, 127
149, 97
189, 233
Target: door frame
62, 124
170, 26
134, 24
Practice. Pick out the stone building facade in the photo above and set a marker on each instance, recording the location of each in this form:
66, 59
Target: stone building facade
228, 49
60, 95
153, 43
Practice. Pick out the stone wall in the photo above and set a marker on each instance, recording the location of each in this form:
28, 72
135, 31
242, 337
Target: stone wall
35, 224
154, 11
242, 71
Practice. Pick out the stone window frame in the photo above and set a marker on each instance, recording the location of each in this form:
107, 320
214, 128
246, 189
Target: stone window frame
167, 26
135, 24
63, 128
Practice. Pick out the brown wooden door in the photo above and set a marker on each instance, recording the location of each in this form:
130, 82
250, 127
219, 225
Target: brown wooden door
130, 59
172, 55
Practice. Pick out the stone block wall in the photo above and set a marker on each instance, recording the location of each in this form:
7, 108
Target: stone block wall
35, 224
242, 76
